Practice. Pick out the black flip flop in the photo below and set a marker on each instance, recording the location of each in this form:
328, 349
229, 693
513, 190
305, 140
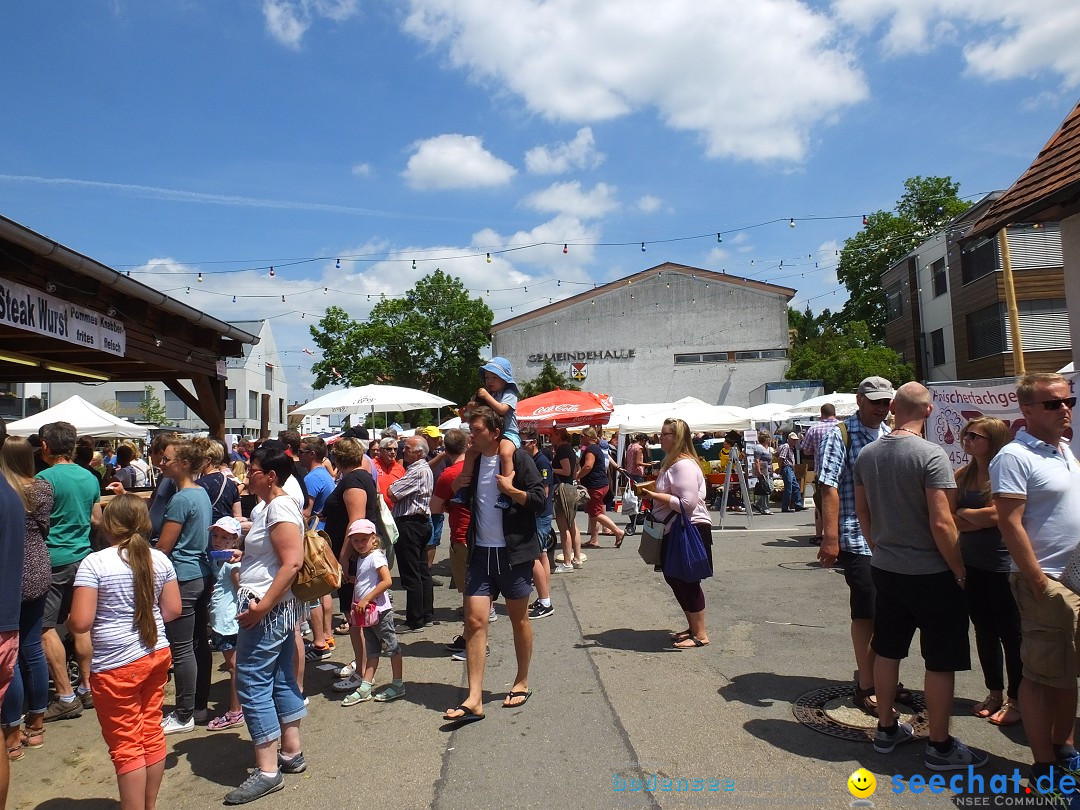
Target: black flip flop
697, 642
469, 716
511, 695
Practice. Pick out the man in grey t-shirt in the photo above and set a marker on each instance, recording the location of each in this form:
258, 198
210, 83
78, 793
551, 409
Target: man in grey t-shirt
902, 498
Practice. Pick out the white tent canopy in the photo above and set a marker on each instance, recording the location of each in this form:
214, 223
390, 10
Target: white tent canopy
700, 416
89, 420
371, 399
769, 412
844, 403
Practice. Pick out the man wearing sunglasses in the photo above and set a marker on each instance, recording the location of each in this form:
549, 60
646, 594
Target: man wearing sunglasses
1035, 481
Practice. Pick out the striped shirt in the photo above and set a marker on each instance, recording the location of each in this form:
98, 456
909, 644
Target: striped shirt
412, 492
114, 636
836, 469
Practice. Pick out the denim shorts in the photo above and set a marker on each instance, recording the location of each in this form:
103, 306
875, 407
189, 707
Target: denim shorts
490, 574
543, 531
222, 643
381, 636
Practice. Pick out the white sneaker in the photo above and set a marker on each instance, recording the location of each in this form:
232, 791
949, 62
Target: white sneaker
493, 616
348, 670
350, 684
562, 568
172, 725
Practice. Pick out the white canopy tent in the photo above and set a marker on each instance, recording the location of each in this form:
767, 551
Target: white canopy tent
769, 412
700, 416
370, 399
89, 420
844, 403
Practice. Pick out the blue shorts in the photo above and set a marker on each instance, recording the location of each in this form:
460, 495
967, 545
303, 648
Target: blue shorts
490, 574
514, 438
543, 531
436, 529
222, 643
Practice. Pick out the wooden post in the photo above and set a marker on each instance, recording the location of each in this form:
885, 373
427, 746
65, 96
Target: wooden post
1010, 302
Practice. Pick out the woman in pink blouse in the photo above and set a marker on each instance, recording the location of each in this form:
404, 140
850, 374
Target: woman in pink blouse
681, 487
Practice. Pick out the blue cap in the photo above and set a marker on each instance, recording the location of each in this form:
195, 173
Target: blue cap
500, 367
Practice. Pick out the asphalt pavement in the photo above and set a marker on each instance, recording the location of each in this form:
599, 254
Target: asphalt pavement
616, 718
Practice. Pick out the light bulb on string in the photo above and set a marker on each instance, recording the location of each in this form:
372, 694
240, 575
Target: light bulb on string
188, 290
865, 220
283, 299
199, 279
414, 264
565, 248
489, 258
719, 239
558, 283
325, 290
234, 299
642, 247
271, 271
791, 222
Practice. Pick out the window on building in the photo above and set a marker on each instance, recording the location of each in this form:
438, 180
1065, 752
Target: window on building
894, 304
174, 406
253, 405
230, 403
761, 354
1044, 324
978, 261
129, 403
268, 384
937, 347
986, 331
940, 277
281, 410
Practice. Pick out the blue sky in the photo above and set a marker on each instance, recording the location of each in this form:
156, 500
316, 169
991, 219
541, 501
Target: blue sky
224, 137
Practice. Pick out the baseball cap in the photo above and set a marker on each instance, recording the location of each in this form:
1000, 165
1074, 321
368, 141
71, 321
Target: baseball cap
500, 367
229, 524
793, 435
431, 431
876, 388
361, 526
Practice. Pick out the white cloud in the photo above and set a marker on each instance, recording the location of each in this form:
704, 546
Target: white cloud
288, 20
752, 78
580, 153
362, 169
455, 161
1001, 39
648, 204
568, 198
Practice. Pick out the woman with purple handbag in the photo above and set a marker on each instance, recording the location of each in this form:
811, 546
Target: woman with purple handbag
679, 493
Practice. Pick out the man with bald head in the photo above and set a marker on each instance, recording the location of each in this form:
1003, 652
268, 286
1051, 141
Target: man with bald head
903, 485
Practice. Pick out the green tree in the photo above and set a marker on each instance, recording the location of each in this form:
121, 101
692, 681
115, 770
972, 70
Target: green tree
928, 203
428, 339
805, 325
841, 357
548, 379
153, 410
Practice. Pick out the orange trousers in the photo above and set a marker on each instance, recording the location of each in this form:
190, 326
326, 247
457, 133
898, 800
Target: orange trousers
128, 703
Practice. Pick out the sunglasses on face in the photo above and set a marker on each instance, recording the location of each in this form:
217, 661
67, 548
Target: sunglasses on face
970, 437
1054, 404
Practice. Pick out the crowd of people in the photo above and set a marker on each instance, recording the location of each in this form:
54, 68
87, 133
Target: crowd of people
149, 585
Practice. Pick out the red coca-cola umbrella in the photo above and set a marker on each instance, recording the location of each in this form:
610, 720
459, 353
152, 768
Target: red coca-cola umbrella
565, 409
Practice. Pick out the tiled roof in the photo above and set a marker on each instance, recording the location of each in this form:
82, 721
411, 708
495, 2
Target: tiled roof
1049, 190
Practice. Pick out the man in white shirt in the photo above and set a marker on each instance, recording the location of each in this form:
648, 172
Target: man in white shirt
1035, 481
502, 545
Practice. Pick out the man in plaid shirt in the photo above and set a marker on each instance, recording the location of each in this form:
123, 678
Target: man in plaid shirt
842, 536
810, 446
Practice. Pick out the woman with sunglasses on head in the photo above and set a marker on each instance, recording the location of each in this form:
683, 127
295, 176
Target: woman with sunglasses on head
680, 487
990, 601
266, 682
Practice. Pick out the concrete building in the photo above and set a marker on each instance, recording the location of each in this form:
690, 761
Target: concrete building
256, 391
946, 310
662, 334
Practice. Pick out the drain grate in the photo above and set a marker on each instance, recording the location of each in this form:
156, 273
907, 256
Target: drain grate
831, 712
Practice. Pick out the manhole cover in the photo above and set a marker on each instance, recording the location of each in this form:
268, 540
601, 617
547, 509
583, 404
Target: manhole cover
831, 712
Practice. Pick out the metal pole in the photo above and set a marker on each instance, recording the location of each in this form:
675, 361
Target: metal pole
1010, 302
